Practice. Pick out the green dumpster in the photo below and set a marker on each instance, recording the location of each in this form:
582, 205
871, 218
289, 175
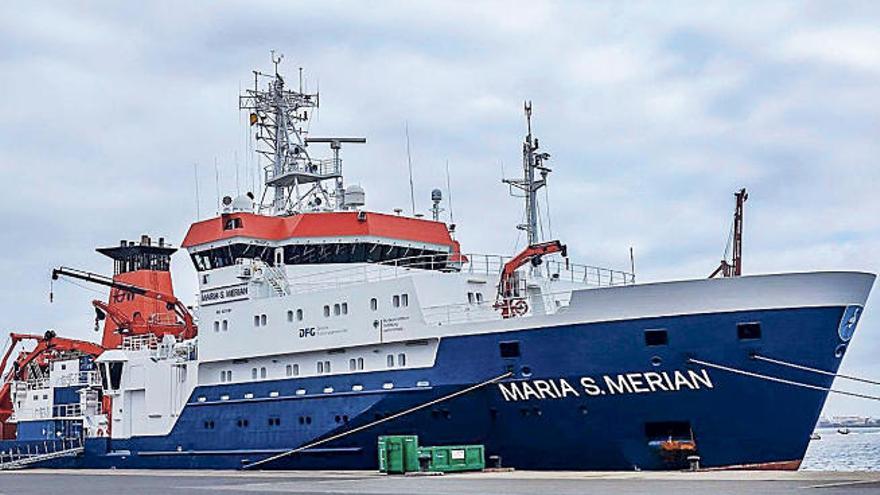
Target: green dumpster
454, 458
398, 454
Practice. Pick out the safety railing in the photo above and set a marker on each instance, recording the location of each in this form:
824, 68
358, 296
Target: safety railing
35, 452
528, 305
140, 342
476, 264
318, 168
81, 378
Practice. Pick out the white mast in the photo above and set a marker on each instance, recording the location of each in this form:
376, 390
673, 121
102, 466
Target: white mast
532, 161
294, 178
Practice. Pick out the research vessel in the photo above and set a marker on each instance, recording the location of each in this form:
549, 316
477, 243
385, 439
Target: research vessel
321, 325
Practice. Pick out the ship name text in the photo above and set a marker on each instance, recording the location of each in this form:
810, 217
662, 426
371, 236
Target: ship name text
623, 383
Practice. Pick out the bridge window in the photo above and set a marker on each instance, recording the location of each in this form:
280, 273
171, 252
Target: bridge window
232, 223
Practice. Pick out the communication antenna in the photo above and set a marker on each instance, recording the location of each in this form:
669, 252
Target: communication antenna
217, 183
449, 190
412, 194
198, 202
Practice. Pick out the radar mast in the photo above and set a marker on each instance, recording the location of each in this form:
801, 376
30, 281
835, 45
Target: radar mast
529, 185
294, 180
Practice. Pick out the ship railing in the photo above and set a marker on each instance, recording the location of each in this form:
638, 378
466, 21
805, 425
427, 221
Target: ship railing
140, 342
487, 310
38, 383
82, 378
163, 319
67, 411
19, 456
475, 264
327, 167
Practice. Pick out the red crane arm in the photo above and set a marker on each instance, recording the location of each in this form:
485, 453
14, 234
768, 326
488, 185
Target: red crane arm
531, 254
45, 343
171, 302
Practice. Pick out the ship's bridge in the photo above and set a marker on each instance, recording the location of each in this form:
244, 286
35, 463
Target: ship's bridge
316, 238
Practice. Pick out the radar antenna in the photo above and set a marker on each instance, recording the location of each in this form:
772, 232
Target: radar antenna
532, 162
294, 181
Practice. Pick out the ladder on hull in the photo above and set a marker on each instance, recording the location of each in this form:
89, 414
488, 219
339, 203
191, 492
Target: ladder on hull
34, 454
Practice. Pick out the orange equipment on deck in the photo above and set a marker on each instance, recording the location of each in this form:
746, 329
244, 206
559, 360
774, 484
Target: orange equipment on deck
508, 300
49, 346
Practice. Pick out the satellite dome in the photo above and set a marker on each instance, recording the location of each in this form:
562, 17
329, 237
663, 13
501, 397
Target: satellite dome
354, 197
243, 203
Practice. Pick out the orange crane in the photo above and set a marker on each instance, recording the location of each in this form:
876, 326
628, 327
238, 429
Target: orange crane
136, 324
508, 300
48, 346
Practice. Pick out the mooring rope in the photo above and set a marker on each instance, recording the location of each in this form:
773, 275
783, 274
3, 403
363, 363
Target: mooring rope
374, 423
781, 380
814, 370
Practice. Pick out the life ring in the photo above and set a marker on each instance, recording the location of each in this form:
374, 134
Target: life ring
519, 307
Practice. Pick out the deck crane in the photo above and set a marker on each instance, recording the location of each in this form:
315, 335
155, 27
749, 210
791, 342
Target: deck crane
184, 329
734, 267
49, 345
508, 299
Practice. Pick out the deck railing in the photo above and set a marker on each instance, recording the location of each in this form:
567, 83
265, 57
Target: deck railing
477, 264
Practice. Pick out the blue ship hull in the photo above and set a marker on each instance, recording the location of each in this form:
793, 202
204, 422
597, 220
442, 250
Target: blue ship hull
737, 420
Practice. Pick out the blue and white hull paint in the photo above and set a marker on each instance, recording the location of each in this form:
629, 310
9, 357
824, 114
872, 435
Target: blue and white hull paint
587, 392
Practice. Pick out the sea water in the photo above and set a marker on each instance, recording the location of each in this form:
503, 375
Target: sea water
859, 450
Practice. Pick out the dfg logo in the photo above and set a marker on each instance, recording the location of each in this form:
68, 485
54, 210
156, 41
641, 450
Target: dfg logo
306, 332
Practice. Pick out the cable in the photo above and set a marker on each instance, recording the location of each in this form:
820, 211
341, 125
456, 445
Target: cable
814, 370
782, 380
374, 423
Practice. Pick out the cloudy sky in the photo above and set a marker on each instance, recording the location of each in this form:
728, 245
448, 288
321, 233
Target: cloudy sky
655, 113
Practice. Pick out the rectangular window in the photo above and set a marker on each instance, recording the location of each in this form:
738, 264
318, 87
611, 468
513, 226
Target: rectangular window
225, 325
256, 320
360, 363
289, 370
262, 320
345, 308
295, 370
299, 315
374, 304
254, 373
326, 311
404, 300
263, 373
656, 337
395, 301
509, 349
479, 296
748, 331
289, 315
336, 309
390, 360
320, 366
327, 366
401, 359
216, 326
470, 297
352, 364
